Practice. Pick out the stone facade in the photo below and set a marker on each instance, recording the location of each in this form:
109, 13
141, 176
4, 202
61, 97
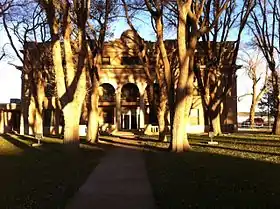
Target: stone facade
123, 101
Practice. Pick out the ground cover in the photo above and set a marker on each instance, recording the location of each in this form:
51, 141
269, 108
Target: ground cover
42, 177
239, 172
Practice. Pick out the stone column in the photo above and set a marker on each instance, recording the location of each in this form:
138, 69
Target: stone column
142, 111
1, 121
118, 109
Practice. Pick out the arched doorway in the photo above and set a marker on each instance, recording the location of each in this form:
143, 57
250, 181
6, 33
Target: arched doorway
152, 96
130, 97
107, 101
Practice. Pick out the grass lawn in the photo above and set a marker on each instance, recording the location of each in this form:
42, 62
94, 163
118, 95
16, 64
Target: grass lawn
230, 175
42, 177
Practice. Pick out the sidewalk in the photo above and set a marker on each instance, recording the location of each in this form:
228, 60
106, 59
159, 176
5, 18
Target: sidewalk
120, 181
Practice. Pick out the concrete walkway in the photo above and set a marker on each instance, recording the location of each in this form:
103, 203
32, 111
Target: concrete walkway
120, 181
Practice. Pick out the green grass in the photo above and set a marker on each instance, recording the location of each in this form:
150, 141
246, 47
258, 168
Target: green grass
43, 177
216, 177
240, 136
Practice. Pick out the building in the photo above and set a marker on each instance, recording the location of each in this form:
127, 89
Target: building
123, 103
10, 116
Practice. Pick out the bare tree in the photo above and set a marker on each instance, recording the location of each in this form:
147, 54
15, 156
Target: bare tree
152, 52
4, 6
67, 21
264, 24
3, 53
25, 21
216, 79
190, 14
102, 13
251, 64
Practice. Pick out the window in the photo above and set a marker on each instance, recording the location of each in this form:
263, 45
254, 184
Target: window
106, 61
130, 60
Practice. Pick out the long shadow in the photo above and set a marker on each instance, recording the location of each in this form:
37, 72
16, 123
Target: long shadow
42, 178
129, 144
241, 142
205, 180
16, 142
142, 138
236, 149
235, 139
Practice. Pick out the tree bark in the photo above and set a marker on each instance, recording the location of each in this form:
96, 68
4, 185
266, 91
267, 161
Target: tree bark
57, 114
180, 141
252, 114
38, 124
275, 83
161, 115
40, 95
93, 118
184, 94
216, 123
276, 125
72, 120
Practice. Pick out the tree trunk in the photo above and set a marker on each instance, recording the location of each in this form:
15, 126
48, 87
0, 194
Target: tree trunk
275, 83
57, 113
72, 121
252, 114
216, 124
40, 95
184, 90
161, 115
180, 141
276, 125
38, 126
184, 95
93, 118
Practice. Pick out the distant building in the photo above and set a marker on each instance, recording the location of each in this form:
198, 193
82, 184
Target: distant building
123, 100
10, 116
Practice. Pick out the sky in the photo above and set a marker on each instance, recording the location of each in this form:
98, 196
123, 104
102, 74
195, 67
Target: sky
10, 77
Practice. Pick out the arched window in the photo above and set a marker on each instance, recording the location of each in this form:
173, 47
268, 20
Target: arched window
130, 93
106, 93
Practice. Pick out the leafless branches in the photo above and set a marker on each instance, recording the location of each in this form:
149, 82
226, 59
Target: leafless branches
265, 27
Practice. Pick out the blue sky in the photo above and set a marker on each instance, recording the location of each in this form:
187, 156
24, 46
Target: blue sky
10, 78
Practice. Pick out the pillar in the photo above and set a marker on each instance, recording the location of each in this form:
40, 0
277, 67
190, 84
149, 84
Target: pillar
118, 109
142, 111
1, 122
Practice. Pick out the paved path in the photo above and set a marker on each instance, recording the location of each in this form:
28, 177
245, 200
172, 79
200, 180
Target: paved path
119, 182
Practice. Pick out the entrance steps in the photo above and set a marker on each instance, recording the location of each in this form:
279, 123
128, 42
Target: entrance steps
125, 134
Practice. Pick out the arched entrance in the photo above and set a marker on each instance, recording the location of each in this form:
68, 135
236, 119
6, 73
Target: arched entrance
152, 96
130, 117
107, 101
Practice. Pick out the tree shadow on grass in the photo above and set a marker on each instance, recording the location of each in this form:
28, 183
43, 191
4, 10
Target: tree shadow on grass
240, 149
18, 143
134, 143
44, 177
238, 140
204, 180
